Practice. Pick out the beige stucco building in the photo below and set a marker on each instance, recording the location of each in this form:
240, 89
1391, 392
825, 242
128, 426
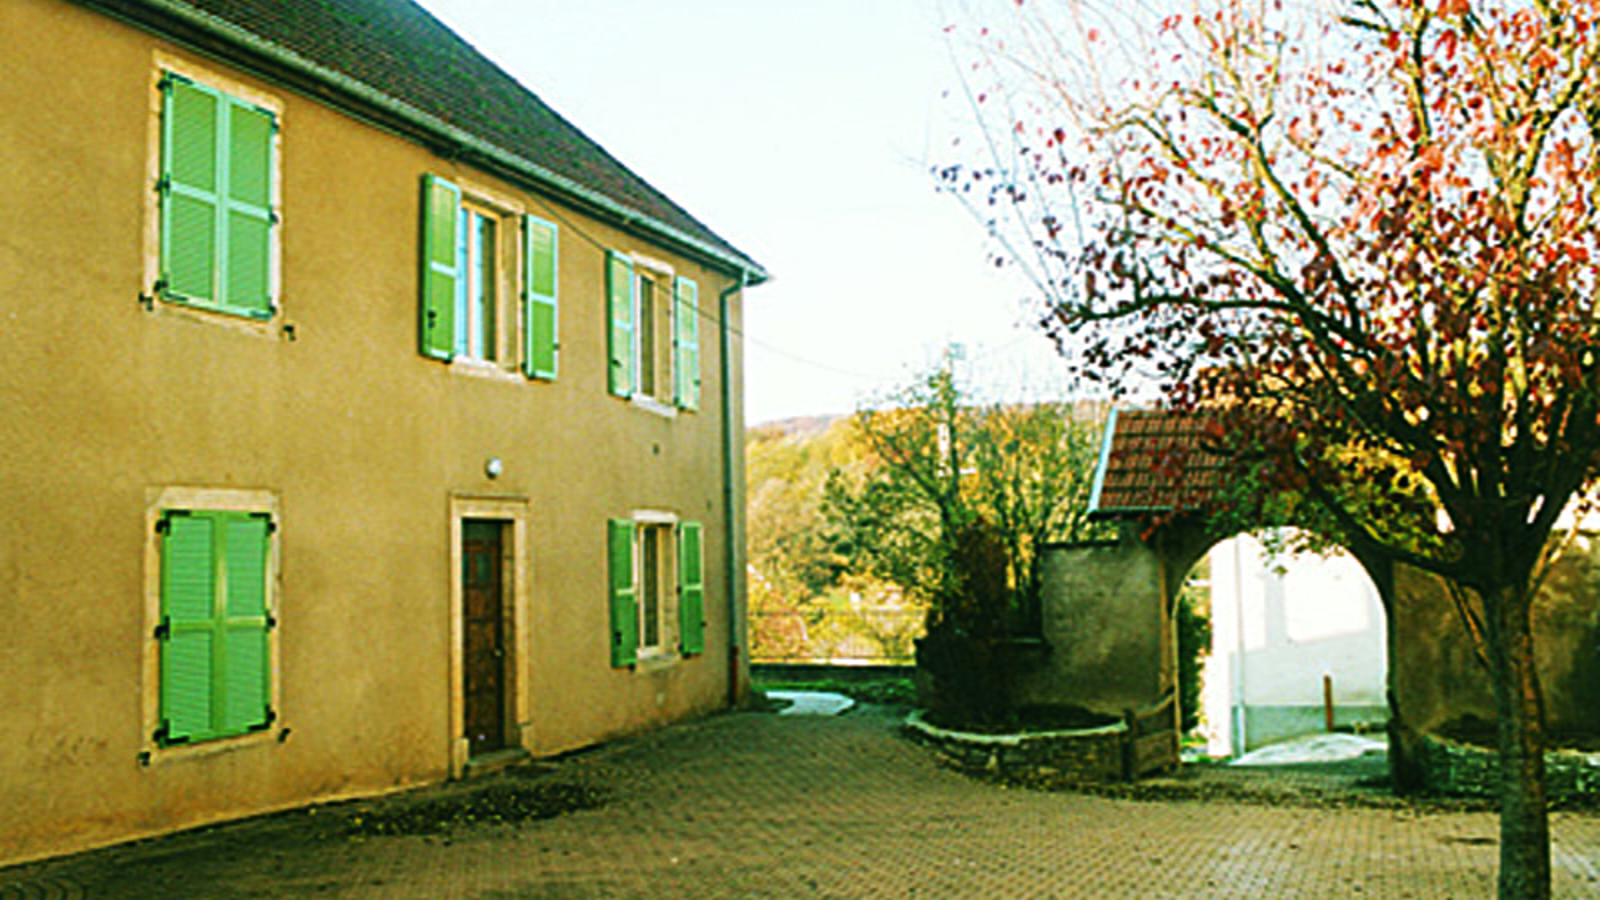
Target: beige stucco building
365, 424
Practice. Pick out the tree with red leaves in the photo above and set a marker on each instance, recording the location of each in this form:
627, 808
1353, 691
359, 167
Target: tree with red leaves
1366, 243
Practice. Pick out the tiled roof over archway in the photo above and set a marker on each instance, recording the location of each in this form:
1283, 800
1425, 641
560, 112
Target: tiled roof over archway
1153, 461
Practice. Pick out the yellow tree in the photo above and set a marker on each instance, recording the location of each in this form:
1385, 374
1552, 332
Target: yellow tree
953, 505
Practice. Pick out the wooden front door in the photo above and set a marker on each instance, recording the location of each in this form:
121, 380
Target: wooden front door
483, 635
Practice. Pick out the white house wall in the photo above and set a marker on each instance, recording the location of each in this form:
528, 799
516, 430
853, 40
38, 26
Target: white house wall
1280, 625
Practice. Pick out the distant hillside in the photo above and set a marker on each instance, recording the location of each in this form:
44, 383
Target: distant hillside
796, 426
811, 426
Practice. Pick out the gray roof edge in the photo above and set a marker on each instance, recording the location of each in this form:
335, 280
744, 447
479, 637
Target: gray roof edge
1103, 463
228, 31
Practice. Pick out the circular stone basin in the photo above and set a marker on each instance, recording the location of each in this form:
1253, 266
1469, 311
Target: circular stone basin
1085, 754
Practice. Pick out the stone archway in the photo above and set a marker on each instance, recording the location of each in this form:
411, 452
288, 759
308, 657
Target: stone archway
1156, 482
1108, 608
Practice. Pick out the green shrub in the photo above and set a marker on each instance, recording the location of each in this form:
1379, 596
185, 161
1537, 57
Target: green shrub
1194, 642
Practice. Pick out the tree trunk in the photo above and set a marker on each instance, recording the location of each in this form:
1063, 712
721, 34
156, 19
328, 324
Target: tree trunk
1519, 708
1406, 772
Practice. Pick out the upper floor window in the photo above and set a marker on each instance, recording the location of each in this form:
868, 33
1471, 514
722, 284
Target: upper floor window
467, 308
654, 333
217, 223
650, 362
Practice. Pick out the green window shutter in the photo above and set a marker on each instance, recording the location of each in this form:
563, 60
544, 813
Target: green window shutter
216, 665
686, 343
624, 593
246, 684
247, 268
216, 199
541, 325
691, 589
441, 209
190, 191
188, 630
619, 310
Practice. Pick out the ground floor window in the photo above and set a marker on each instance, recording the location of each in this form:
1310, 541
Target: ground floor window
657, 588
214, 635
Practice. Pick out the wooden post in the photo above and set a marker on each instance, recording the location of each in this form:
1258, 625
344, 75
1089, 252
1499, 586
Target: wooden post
1130, 746
1327, 700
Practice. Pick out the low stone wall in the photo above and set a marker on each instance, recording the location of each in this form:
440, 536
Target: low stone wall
1451, 767
813, 672
1088, 755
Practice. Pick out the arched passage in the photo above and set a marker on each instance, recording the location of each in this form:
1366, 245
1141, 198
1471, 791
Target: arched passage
1108, 635
1157, 482
1299, 643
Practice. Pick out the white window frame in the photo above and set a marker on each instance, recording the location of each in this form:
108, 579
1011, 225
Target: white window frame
470, 339
662, 278
507, 213
664, 525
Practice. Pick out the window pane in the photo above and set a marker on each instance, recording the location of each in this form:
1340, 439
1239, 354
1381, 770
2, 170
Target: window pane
475, 295
484, 305
647, 336
249, 156
650, 576
193, 163
249, 257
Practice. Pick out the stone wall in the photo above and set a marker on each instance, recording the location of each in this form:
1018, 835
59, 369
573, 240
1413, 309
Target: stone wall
1463, 769
1105, 626
1438, 677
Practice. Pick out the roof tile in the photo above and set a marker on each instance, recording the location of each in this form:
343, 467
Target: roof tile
1155, 462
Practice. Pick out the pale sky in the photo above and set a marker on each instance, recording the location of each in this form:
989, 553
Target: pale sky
802, 132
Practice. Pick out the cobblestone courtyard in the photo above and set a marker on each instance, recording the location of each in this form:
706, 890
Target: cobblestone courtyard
763, 806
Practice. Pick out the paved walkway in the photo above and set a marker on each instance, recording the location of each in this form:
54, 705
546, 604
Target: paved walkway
763, 806
811, 703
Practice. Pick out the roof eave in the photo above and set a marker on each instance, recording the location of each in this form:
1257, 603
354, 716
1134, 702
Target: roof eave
1123, 512
751, 272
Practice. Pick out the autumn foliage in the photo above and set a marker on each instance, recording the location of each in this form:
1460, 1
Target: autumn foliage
1364, 239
